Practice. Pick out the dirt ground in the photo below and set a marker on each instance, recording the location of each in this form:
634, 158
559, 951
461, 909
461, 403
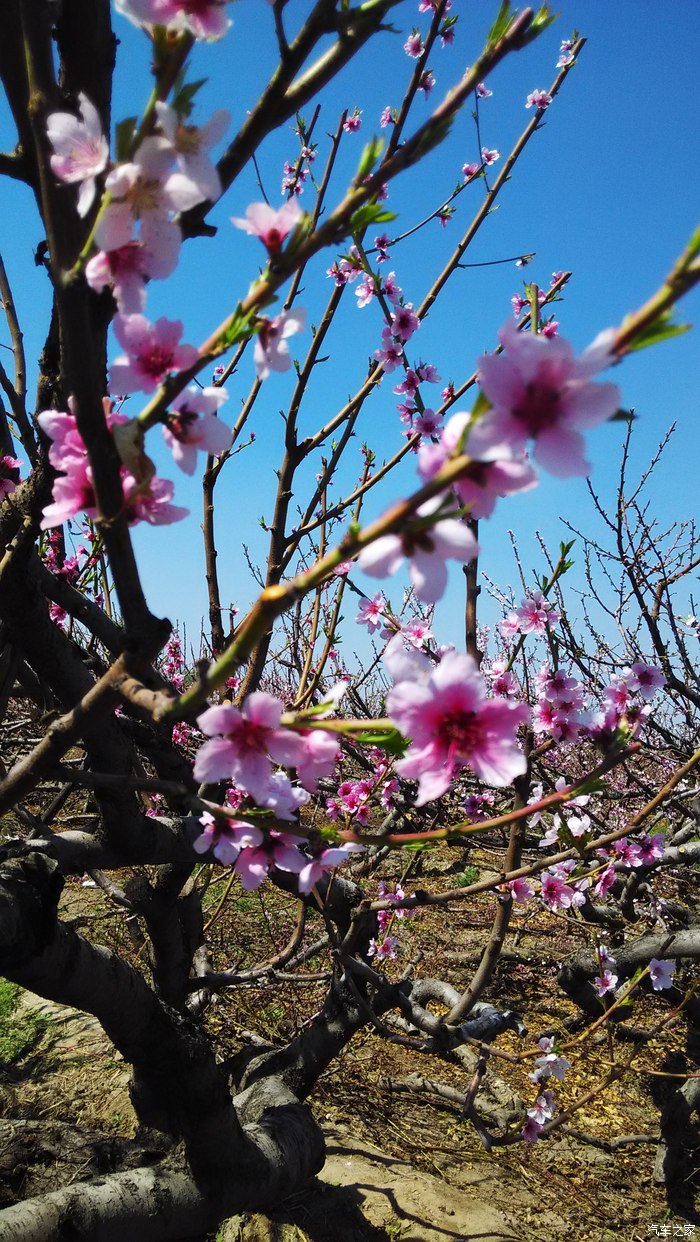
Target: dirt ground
401, 1166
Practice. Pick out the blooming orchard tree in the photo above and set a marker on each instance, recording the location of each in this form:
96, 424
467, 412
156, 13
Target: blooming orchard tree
270, 758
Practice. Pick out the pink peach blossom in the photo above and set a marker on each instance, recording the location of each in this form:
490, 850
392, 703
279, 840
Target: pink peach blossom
538, 99
80, 148
205, 19
191, 145
539, 390
426, 547
270, 225
271, 351
482, 482
192, 426
326, 861
152, 353
452, 724
245, 743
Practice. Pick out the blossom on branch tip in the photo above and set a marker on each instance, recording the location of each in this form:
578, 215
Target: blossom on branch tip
271, 351
205, 19
538, 99
489, 156
270, 225
539, 390
80, 148
661, 974
191, 425
426, 546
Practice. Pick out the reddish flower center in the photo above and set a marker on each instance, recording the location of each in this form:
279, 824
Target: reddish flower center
460, 733
251, 738
413, 541
157, 361
144, 196
540, 408
273, 240
200, 8
180, 424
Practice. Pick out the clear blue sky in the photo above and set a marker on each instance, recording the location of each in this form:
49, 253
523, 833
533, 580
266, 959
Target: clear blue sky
607, 188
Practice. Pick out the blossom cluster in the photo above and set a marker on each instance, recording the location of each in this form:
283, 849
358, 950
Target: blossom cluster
534, 616
78, 569
246, 742
138, 238
352, 800
564, 712
253, 853
73, 490
136, 232
7, 484
384, 946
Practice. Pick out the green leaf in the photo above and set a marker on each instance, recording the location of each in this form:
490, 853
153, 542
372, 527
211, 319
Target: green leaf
594, 785
661, 329
501, 24
390, 740
183, 99
622, 416
125, 131
239, 326
434, 135
626, 1003
542, 19
369, 157
370, 213
481, 405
